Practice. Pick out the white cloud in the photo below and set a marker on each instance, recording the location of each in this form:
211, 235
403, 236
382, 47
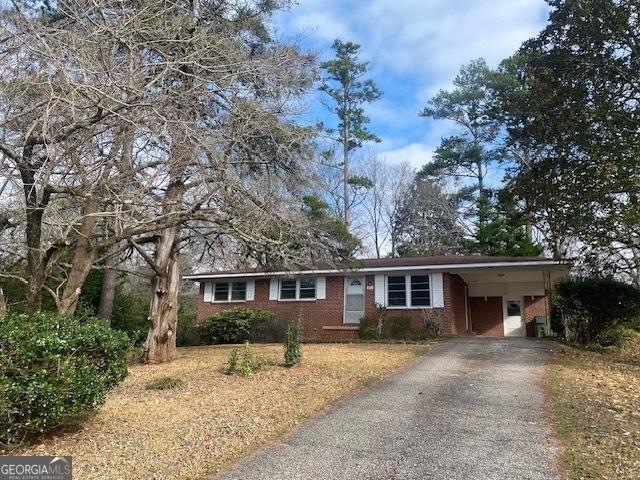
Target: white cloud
323, 25
417, 154
425, 39
388, 112
436, 36
416, 47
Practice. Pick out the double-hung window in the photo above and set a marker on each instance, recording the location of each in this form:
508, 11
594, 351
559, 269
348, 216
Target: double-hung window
238, 291
420, 294
288, 289
397, 291
298, 289
307, 288
408, 291
230, 291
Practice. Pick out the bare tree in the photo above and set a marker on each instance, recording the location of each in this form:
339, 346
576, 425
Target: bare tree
109, 281
331, 185
389, 182
131, 121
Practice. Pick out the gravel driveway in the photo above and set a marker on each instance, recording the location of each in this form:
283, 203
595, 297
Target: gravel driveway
469, 409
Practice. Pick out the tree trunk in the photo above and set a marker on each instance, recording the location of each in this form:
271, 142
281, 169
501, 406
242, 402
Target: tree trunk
345, 171
33, 232
108, 291
84, 256
529, 230
160, 345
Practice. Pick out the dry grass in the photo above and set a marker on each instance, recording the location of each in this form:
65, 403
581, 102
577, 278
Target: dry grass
595, 397
214, 419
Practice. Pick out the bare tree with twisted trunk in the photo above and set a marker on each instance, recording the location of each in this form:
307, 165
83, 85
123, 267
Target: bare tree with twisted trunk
131, 121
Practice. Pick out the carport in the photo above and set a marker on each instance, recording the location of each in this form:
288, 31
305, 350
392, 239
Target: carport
505, 301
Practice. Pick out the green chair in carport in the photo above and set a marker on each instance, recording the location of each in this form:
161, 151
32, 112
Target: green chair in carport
543, 327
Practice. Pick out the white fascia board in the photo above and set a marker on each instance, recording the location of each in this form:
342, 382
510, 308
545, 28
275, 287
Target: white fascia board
550, 263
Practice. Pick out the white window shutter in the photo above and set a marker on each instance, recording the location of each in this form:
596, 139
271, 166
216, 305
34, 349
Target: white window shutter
437, 290
379, 290
321, 288
251, 290
208, 291
273, 289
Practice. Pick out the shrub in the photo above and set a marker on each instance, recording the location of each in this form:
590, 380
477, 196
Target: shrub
53, 368
268, 330
247, 363
431, 324
381, 315
398, 327
266, 360
292, 349
233, 325
131, 315
367, 329
188, 334
232, 362
555, 318
593, 309
165, 383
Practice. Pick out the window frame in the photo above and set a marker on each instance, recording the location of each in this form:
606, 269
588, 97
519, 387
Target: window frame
388, 290
295, 289
230, 284
407, 287
297, 295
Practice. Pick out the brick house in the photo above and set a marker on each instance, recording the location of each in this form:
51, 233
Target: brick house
470, 295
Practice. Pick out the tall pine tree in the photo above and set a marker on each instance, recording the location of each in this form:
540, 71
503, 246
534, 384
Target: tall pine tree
465, 156
345, 84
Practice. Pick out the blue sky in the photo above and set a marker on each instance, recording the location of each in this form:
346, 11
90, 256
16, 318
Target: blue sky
415, 48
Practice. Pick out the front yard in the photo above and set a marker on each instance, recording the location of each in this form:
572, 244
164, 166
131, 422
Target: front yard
595, 398
214, 419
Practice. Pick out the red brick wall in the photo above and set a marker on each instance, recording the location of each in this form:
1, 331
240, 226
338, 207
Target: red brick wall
454, 301
488, 319
486, 316
316, 314
533, 307
370, 297
416, 315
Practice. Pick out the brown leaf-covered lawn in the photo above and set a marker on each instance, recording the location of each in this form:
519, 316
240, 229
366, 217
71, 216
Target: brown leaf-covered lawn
595, 398
215, 419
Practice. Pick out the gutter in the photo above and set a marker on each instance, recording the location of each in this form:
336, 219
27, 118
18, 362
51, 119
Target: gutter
207, 276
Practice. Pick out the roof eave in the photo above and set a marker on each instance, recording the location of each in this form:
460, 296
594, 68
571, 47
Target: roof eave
455, 266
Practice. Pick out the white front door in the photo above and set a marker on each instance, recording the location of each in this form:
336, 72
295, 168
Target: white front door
353, 299
513, 321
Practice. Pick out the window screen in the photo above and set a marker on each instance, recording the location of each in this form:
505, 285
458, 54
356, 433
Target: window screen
239, 291
396, 291
288, 289
420, 296
221, 292
308, 288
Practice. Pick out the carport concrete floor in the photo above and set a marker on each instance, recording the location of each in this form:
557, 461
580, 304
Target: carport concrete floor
471, 408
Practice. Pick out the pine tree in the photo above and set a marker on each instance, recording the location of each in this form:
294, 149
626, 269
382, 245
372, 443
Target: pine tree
348, 90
